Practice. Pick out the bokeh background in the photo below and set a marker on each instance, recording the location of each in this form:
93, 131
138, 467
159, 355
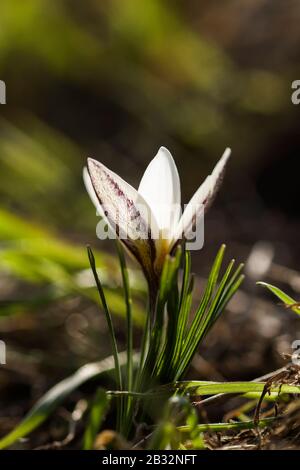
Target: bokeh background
116, 79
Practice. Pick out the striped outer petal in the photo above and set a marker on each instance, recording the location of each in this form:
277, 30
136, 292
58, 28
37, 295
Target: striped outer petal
127, 213
201, 201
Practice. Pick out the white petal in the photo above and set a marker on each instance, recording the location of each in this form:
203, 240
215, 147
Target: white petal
126, 211
91, 192
160, 187
202, 199
93, 196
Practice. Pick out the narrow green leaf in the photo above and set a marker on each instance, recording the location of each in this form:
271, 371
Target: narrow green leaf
212, 388
97, 414
211, 283
203, 388
56, 395
108, 318
119, 381
229, 291
218, 427
184, 310
167, 281
163, 367
176, 411
203, 320
128, 301
286, 299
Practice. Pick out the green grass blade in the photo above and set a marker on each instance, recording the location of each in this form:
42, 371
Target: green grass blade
108, 318
202, 321
169, 273
56, 395
212, 388
97, 414
286, 299
163, 363
184, 309
228, 292
211, 283
203, 388
207, 319
238, 426
128, 301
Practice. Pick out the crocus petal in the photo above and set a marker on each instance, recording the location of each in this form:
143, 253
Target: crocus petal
91, 192
93, 196
201, 200
160, 187
126, 211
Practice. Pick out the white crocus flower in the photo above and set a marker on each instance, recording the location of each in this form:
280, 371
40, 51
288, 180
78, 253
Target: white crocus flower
148, 220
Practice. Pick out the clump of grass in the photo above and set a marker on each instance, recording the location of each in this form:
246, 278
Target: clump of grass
172, 333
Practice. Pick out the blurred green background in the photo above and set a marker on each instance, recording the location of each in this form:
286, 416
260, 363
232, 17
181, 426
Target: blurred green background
116, 79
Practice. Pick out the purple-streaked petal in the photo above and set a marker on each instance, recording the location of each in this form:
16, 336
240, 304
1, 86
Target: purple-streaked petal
201, 200
126, 212
91, 192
